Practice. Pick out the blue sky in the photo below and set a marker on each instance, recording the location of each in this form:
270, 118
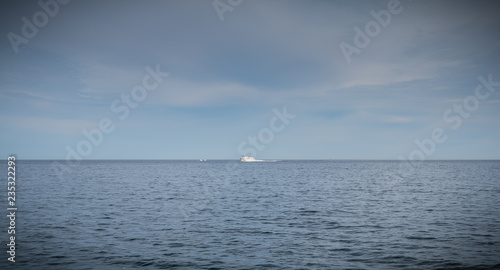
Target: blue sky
225, 78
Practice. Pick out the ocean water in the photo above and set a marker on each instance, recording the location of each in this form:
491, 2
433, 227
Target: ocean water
265, 215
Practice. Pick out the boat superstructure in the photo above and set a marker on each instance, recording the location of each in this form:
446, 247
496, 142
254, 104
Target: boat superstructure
246, 158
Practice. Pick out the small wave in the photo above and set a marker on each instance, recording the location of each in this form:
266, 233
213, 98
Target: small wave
420, 238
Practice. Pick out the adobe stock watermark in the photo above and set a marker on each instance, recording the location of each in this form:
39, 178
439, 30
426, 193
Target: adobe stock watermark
121, 107
223, 6
453, 116
372, 29
40, 19
266, 135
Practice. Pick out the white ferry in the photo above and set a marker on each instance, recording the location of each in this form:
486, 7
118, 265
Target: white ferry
245, 158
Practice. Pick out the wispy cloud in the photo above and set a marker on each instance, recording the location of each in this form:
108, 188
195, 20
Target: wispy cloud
33, 94
48, 125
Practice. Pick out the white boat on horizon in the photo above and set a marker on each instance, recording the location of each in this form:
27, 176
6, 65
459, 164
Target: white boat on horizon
245, 158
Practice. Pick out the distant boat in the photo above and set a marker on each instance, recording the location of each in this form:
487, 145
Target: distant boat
245, 158
203, 160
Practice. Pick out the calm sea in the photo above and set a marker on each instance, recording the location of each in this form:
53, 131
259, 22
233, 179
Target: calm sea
265, 215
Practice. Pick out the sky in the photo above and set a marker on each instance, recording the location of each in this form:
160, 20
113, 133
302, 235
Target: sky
273, 79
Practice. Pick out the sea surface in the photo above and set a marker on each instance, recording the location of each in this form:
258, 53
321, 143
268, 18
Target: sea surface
225, 214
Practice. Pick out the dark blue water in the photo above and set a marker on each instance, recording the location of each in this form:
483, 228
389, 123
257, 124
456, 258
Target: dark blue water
273, 215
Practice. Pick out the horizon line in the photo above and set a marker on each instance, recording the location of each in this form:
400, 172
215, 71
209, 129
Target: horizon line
224, 159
